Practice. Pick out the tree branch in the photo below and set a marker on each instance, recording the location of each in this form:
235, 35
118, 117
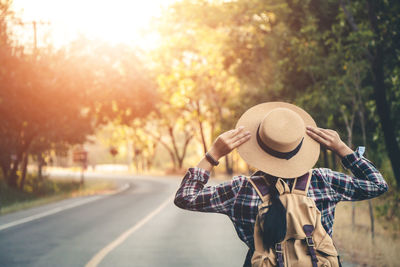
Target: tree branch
351, 21
349, 16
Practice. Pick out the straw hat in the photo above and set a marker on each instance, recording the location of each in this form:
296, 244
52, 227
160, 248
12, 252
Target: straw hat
279, 144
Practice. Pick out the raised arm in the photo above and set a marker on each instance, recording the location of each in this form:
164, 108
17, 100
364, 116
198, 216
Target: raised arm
194, 195
367, 181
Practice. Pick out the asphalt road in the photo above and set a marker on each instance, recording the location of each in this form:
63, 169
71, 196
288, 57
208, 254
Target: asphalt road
137, 227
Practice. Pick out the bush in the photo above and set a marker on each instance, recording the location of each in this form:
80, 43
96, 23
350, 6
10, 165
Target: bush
46, 187
388, 206
34, 188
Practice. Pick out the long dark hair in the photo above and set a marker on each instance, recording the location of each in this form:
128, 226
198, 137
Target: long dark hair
274, 220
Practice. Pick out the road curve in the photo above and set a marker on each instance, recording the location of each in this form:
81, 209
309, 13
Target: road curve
169, 237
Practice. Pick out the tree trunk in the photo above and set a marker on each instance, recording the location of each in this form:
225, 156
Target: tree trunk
382, 105
170, 151
82, 175
137, 164
333, 157
353, 205
174, 146
203, 139
235, 165
150, 158
228, 166
371, 217
349, 128
353, 216
172, 156
149, 164
12, 175
5, 167
143, 163
40, 166
24, 169
212, 129
376, 57
180, 158
361, 112
326, 160
185, 146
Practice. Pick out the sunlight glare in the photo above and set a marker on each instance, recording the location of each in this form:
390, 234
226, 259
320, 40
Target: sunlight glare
117, 21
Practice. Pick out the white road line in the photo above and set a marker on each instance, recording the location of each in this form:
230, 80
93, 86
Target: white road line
56, 210
123, 188
119, 240
47, 213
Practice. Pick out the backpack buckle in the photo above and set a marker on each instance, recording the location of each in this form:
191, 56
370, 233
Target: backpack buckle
278, 248
309, 241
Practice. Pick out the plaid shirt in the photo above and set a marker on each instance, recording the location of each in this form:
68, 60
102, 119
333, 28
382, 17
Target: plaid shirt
238, 199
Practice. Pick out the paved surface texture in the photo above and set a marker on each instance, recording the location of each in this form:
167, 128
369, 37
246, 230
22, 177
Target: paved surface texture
173, 237
73, 236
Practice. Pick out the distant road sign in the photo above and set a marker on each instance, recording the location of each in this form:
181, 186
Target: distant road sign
80, 156
113, 151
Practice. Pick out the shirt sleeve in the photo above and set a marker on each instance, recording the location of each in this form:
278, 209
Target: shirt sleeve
194, 195
366, 183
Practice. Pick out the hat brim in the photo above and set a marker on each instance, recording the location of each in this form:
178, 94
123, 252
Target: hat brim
256, 157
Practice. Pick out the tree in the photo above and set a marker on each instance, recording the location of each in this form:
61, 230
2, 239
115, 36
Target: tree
59, 97
192, 77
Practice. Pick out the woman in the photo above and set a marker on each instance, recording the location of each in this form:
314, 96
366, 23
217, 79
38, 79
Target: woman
280, 140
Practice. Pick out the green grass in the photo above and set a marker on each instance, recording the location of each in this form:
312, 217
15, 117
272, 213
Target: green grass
47, 191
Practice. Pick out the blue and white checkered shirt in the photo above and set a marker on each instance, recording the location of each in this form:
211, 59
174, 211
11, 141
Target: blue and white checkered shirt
238, 199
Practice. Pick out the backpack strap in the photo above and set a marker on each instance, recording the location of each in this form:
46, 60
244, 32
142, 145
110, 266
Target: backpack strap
308, 230
279, 254
301, 184
282, 186
261, 186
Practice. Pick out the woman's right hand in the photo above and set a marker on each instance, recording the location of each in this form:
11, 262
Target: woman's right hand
228, 141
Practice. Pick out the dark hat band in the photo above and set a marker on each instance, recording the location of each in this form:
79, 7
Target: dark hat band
277, 154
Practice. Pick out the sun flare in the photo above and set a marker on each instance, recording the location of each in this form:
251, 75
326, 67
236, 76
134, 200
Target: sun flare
118, 21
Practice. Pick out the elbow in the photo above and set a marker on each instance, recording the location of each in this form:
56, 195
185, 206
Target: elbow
181, 198
183, 202
384, 188
380, 185
179, 201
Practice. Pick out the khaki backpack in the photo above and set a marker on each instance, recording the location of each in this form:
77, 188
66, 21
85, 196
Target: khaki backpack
306, 242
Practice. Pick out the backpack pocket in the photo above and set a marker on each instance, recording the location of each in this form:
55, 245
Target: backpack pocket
325, 260
326, 246
326, 252
264, 259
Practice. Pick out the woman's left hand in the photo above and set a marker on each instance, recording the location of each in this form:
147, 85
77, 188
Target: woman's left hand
228, 141
330, 139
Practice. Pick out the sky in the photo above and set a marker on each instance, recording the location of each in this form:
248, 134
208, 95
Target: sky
61, 21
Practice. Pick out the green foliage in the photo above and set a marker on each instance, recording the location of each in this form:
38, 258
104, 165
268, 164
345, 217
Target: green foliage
40, 191
317, 54
43, 186
34, 189
216, 59
388, 207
